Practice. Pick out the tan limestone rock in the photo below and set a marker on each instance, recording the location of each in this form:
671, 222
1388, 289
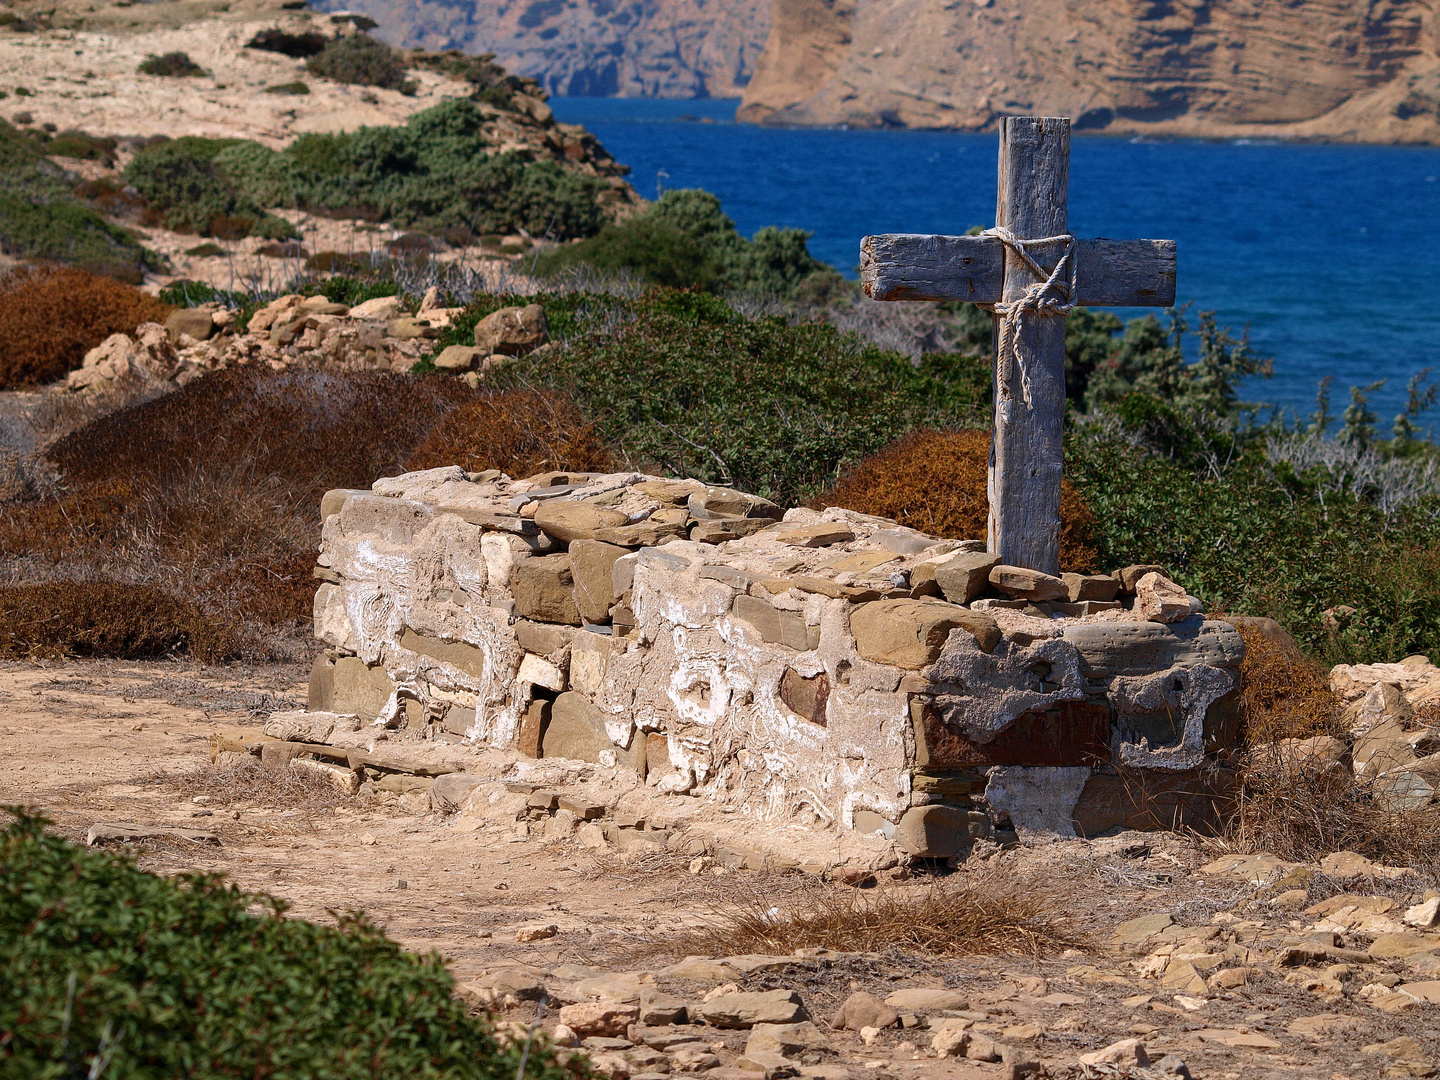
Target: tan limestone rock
543, 587
567, 520
457, 358
1089, 587
745, 1010
1161, 600
911, 633
590, 564
1129, 576
961, 575
512, 331
1021, 583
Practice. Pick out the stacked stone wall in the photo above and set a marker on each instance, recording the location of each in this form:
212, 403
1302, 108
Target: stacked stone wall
817, 668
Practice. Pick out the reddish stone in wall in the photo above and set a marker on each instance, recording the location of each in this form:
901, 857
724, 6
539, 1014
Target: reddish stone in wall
1070, 733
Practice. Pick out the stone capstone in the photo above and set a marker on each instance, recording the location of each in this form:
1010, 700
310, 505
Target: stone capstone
1161, 600
1022, 583
568, 521
911, 633
962, 575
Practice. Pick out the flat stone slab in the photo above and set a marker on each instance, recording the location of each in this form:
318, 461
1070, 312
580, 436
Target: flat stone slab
120, 832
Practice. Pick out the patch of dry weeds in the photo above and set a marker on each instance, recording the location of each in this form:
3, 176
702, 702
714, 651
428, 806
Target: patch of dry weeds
1002, 915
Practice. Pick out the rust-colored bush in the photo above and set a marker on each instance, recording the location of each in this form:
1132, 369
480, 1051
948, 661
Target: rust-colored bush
935, 481
1284, 694
212, 493
521, 432
105, 618
50, 317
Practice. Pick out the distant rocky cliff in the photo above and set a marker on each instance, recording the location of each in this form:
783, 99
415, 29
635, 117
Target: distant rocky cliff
1358, 70
626, 48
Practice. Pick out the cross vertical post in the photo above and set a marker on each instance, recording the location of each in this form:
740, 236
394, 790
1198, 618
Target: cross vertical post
1029, 285
1026, 446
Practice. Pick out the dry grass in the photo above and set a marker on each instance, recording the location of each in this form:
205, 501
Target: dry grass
99, 618
948, 918
521, 432
50, 317
935, 481
249, 782
1301, 810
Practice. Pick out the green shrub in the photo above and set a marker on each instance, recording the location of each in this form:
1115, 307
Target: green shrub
184, 181
679, 384
41, 219
360, 60
78, 144
685, 240
174, 65
434, 173
258, 174
189, 976
291, 88
296, 46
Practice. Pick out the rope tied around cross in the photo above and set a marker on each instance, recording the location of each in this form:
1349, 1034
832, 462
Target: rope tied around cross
1053, 294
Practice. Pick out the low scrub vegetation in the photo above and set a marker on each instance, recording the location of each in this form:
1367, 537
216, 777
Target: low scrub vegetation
434, 173
521, 432
50, 317
42, 217
171, 65
360, 60
684, 240
117, 973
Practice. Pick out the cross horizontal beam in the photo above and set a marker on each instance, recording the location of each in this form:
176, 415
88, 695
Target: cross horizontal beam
1109, 273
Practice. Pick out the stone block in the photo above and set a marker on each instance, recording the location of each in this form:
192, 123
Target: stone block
543, 587
408, 328
450, 792
659, 1009
1153, 799
192, 322
821, 534
532, 727
542, 639
926, 999
332, 621
743, 1010
1080, 587
512, 331
460, 655
713, 502
332, 501
805, 697
1143, 648
787, 1040
961, 575
1161, 600
591, 563
278, 755
577, 731
589, 658
868, 821
535, 671
773, 624
1066, 733
403, 784
458, 358
359, 688
1129, 575
642, 533
719, 530
567, 520
911, 633
939, 831
343, 778
1022, 583
458, 720
304, 725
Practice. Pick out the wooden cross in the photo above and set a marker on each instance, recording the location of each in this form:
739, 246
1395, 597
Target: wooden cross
1030, 286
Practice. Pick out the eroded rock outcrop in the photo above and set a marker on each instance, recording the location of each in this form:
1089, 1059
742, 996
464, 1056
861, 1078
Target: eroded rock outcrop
1317, 68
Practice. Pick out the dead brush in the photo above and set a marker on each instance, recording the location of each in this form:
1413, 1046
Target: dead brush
250, 782
935, 481
1302, 809
950, 918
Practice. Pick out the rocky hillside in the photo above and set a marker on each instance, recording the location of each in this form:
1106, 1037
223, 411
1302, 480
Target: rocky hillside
593, 48
1334, 69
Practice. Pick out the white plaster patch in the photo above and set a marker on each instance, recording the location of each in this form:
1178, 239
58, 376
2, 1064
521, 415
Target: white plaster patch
1040, 800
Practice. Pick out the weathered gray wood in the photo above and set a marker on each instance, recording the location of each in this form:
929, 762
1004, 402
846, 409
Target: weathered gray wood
1026, 451
916, 266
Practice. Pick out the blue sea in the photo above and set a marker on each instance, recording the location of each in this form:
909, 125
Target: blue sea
1329, 254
